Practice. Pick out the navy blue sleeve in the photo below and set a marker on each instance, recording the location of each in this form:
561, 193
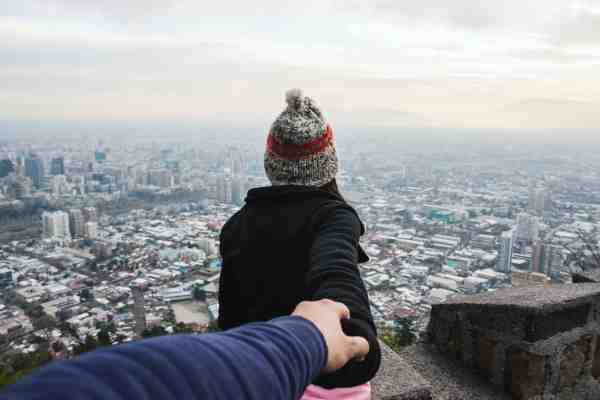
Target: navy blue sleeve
272, 360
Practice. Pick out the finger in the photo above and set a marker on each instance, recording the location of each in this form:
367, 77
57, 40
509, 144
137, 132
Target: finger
341, 310
358, 348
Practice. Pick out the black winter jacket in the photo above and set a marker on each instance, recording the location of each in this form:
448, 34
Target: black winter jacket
295, 243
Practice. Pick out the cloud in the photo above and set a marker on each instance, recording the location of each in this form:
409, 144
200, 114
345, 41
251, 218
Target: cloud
403, 62
579, 26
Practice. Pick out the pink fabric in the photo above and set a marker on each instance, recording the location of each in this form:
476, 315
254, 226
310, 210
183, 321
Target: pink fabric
362, 392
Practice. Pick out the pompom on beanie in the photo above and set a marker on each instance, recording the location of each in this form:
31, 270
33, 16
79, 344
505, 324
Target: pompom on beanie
300, 146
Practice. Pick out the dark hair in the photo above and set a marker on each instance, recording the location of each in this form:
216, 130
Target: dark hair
332, 187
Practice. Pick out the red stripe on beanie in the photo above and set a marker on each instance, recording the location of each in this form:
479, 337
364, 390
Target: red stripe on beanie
290, 151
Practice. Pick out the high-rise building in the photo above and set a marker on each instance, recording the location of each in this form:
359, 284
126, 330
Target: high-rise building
78, 183
6, 278
554, 260
57, 184
162, 178
34, 168
531, 197
76, 222
57, 166
538, 257
6, 167
527, 228
20, 187
238, 186
20, 165
546, 258
103, 249
90, 214
505, 252
90, 230
538, 200
238, 165
224, 190
56, 225
139, 311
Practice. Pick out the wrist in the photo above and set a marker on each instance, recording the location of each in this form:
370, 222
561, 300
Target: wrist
308, 333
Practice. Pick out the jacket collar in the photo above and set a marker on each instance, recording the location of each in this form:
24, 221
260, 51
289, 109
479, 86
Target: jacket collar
270, 193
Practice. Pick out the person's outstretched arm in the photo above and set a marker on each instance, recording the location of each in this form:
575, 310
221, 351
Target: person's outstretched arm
334, 274
272, 360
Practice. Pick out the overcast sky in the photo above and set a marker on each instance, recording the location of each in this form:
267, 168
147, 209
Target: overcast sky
510, 64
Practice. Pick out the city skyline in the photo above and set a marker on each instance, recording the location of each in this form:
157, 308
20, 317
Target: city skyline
106, 241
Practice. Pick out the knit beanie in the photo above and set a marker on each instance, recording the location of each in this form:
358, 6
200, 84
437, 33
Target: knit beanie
300, 145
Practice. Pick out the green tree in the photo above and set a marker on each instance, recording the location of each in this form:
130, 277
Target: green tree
36, 311
104, 338
170, 316
16, 365
213, 326
68, 330
154, 332
399, 336
90, 343
44, 326
182, 328
108, 326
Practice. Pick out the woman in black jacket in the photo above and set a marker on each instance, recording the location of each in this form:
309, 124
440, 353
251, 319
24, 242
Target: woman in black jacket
298, 240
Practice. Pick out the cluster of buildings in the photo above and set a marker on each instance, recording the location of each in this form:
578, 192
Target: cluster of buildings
433, 234
76, 223
156, 266
128, 235
83, 174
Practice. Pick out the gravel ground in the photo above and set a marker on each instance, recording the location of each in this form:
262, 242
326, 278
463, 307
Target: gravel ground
449, 380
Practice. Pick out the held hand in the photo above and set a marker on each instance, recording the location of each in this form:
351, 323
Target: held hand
326, 315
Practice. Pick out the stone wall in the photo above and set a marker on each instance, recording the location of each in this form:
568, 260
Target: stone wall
397, 380
587, 276
534, 342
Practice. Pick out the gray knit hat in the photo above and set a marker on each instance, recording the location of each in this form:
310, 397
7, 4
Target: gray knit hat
300, 146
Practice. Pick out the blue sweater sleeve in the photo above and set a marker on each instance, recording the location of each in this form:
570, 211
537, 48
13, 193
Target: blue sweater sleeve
272, 360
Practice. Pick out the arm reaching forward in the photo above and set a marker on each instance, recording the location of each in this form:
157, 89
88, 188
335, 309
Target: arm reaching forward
272, 360
334, 274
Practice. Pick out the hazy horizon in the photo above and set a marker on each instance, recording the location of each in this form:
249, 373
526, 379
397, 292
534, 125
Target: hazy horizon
253, 135
524, 68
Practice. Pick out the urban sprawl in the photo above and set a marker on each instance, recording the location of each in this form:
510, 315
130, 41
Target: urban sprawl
128, 234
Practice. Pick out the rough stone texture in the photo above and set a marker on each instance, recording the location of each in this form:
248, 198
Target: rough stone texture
518, 314
486, 351
396, 380
526, 375
587, 276
573, 360
596, 362
535, 298
448, 378
533, 342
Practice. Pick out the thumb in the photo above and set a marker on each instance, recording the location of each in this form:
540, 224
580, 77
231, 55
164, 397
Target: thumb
358, 348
